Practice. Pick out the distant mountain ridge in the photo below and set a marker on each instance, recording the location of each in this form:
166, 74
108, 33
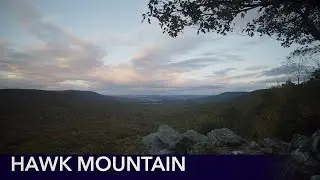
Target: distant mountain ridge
33, 96
160, 99
223, 97
45, 96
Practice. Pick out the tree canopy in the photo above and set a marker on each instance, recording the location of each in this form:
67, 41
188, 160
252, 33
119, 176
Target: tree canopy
291, 21
315, 76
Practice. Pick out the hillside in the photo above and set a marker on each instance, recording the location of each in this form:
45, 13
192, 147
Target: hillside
58, 121
277, 112
182, 99
35, 121
223, 97
50, 97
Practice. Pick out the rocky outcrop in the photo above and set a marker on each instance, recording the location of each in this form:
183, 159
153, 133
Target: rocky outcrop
306, 157
303, 151
225, 137
167, 134
184, 144
217, 141
164, 151
254, 146
194, 136
298, 141
316, 177
275, 145
160, 140
153, 143
316, 144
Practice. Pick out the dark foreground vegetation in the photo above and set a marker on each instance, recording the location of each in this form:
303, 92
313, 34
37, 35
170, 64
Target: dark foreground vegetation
35, 121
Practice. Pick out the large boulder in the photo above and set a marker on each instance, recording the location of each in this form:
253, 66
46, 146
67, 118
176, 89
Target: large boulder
200, 148
306, 164
298, 141
315, 177
299, 165
160, 140
225, 137
206, 147
276, 145
167, 134
316, 144
153, 143
303, 162
304, 151
304, 159
266, 150
254, 146
186, 141
194, 136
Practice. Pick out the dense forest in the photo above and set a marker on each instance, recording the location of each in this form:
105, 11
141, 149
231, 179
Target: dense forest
36, 121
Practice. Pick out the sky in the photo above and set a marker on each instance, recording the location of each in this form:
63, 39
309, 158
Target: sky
102, 46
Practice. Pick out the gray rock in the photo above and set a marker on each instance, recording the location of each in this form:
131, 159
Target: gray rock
153, 143
198, 148
276, 145
181, 146
194, 136
254, 146
203, 147
298, 141
295, 167
168, 138
186, 141
302, 157
266, 150
162, 139
224, 137
315, 177
253, 152
237, 152
270, 143
316, 144
306, 165
303, 162
164, 152
167, 134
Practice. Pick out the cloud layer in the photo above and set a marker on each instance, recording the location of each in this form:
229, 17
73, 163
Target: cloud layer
56, 58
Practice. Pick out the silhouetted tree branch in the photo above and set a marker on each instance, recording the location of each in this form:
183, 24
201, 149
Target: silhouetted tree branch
291, 21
